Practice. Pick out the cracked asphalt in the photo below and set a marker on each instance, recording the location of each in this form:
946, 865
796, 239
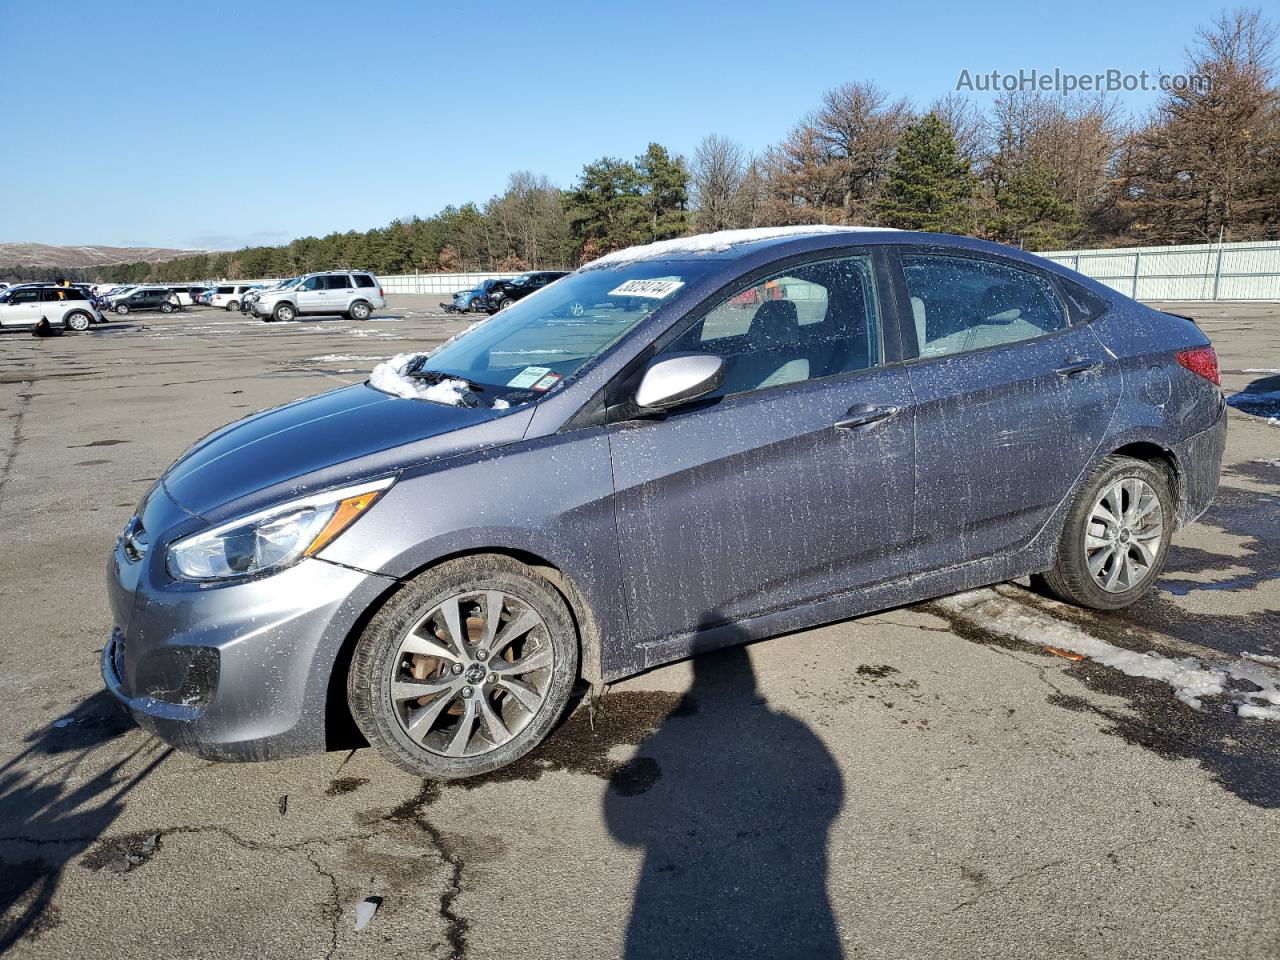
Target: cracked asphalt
905, 784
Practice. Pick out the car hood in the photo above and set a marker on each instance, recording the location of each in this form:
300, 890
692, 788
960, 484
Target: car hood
345, 434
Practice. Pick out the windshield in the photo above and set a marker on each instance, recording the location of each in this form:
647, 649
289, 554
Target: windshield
544, 339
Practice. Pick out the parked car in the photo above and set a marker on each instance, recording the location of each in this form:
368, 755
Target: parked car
44, 308
147, 298
204, 297
450, 546
227, 295
506, 292
475, 300
188, 294
355, 294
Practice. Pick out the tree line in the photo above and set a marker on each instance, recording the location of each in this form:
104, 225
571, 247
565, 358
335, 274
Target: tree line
1036, 170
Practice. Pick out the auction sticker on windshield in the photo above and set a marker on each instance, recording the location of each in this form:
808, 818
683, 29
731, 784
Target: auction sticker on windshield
656, 288
528, 376
547, 382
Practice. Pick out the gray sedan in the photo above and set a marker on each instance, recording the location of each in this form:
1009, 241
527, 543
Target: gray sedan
729, 437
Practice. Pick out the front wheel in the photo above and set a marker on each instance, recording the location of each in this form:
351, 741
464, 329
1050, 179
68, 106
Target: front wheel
122, 308
283, 312
1116, 536
466, 669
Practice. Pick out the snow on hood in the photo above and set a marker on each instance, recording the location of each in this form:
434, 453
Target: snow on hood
390, 377
717, 242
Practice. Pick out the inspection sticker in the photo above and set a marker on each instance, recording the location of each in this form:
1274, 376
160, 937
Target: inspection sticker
656, 288
528, 376
547, 382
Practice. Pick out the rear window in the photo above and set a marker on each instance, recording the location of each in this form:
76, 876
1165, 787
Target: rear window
364, 280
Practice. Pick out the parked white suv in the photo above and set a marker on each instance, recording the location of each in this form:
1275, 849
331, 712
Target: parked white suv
355, 293
47, 309
227, 295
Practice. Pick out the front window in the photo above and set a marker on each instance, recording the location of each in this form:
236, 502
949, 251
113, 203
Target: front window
540, 342
813, 321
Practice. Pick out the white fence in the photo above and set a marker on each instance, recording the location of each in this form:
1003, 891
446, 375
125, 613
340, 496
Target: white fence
1204, 271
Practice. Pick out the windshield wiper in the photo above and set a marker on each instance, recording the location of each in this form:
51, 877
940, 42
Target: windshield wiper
436, 376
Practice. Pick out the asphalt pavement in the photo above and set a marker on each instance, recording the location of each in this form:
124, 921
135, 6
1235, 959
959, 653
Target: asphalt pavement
931, 781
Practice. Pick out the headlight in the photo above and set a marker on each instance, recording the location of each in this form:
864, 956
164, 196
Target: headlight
272, 539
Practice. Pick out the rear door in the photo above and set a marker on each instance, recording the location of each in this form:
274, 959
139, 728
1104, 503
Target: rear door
791, 482
338, 288
1012, 401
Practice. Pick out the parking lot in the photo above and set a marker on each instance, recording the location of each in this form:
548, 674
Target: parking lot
929, 781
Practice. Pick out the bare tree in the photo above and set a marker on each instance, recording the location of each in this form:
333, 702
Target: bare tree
966, 123
719, 165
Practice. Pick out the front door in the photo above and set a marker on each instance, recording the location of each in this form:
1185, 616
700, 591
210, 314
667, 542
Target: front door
22, 309
1012, 402
791, 482
312, 296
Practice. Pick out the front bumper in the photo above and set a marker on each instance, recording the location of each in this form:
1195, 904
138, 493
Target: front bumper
237, 671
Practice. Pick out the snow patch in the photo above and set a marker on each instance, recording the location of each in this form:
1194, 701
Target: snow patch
1190, 679
716, 242
390, 377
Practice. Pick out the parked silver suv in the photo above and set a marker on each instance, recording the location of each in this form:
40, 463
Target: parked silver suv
355, 294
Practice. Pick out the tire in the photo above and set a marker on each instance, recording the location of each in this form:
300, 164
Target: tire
166, 308
504, 303
468, 688
78, 321
232, 305
122, 308
1120, 573
359, 311
284, 312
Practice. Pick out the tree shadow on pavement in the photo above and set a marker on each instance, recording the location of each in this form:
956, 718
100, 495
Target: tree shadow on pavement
734, 830
49, 815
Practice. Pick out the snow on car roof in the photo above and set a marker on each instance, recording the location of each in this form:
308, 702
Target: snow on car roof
717, 242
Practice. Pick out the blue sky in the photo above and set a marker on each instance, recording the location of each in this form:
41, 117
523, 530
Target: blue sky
219, 125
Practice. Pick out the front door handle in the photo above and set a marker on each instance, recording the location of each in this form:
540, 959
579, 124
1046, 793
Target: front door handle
864, 415
1075, 365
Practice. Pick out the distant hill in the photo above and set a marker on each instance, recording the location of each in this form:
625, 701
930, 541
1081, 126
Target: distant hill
88, 255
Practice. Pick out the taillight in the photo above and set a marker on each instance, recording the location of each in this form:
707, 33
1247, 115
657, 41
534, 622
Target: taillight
1203, 362
380, 291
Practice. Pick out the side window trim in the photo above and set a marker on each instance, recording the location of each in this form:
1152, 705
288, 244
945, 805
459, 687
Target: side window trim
902, 294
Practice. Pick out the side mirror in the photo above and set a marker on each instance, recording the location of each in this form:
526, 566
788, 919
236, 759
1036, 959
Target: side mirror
678, 378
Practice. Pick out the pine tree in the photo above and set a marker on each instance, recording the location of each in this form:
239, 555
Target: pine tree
664, 188
929, 184
1029, 211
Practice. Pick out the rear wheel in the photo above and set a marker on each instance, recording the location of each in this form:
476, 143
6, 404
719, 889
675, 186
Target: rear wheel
466, 669
232, 305
1116, 536
359, 311
78, 321
166, 308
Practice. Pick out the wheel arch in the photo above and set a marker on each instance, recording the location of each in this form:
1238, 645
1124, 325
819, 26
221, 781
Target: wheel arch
1164, 459
340, 727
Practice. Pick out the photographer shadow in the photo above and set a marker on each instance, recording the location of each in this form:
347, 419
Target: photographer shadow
735, 828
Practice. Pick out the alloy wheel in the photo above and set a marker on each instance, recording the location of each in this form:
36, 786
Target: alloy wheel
1123, 534
471, 675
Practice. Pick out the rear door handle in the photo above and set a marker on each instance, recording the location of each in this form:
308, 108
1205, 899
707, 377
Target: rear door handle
864, 415
1075, 365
